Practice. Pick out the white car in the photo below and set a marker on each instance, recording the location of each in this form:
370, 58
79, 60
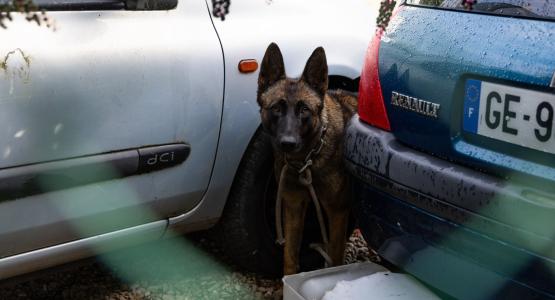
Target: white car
124, 125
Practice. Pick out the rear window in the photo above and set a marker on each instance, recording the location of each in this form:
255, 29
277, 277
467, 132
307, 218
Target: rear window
537, 9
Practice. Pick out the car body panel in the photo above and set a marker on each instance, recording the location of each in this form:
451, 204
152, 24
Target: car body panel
402, 193
115, 77
492, 205
107, 81
245, 34
468, 265
79, 249
469, 215
429, 54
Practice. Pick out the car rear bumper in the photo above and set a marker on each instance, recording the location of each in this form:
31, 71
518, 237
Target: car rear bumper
467, 233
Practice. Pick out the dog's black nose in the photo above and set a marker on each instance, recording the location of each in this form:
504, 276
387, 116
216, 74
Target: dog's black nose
288, 143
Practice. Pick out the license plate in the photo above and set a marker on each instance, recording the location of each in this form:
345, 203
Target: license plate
515, 115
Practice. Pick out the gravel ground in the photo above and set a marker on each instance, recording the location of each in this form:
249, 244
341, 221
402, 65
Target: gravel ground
190, 267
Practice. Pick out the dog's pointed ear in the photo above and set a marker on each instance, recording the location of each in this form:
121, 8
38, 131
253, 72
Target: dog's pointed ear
272, 68
316, 71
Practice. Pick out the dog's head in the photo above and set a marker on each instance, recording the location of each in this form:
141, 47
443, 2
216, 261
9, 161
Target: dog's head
291, 108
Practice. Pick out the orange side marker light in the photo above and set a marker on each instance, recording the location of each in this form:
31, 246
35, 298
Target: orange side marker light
248, 65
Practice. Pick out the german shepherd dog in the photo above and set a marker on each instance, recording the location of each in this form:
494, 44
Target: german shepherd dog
302, 116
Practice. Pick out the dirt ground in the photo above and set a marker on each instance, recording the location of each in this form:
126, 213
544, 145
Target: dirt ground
191, 267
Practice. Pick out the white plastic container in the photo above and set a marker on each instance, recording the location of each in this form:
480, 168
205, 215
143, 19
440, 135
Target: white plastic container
314, 285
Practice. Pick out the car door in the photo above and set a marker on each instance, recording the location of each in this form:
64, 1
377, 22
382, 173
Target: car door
107, 122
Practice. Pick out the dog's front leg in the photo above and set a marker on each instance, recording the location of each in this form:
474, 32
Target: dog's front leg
295, 205
338, 223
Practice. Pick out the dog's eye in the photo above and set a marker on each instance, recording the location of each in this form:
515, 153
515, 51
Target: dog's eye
305, 110
276, 108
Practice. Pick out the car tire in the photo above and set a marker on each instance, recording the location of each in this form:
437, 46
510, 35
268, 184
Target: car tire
247, 227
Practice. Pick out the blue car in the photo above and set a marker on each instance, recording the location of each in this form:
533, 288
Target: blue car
453, 150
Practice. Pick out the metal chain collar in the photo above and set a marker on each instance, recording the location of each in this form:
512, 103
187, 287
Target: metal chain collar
307, 162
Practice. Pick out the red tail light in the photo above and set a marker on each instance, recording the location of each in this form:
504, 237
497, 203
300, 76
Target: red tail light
371, 107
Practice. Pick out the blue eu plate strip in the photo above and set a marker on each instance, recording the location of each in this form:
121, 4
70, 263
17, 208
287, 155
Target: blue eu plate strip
471, 105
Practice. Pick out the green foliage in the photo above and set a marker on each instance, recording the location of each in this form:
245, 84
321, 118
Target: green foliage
431, 2
220, 8
386, 9
26, 7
